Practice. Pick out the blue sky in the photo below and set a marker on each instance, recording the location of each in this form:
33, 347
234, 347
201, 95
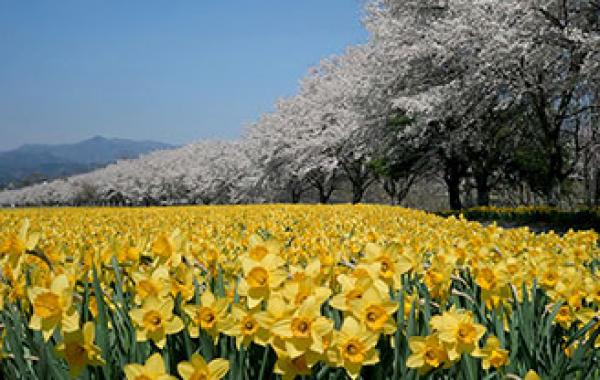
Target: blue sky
168, 70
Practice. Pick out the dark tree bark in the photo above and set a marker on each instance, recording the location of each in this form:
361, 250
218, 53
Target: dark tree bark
397, 189
324, 184
325, 193
454, 193
390, 188
483, 189
597, 187
360, 176
357, 194
453, 174
295, 194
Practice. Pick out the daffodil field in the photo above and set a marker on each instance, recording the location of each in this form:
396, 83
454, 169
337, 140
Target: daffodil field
292, 291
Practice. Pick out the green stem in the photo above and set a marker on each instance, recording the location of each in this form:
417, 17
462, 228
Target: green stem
263, 365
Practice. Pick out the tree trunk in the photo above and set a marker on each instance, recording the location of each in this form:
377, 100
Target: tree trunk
325, 185
402, 195
552, 192
389, 185
324, 190
358, 191
587, 181
483, 189
360, 176
597, 187
296, 195
554, 179
325, 194
452, 177
454, 193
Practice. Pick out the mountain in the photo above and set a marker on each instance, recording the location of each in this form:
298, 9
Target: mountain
32, 163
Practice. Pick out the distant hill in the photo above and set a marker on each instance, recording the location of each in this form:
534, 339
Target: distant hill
33, 163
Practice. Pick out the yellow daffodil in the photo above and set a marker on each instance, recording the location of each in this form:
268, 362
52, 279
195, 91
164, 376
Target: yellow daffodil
277, 309
437, 278
182, 282
128, 252
531, 375
15, 245
592, 286
487, 278
492, 281
375, 311
154, 284
259, 248
389, 269
549, 277
260, 278
353, 289
304, 330
458, 331
17, 283
153, 369
211, 315
52, 307
79, 350
312, 271
492, 355
278, 276
353, 347
427, 353
197, 368
246, 328
155, 320
290, 368
305, 282
168, 248
565, 316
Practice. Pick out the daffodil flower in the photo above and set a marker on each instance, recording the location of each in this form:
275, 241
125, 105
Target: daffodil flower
353, 347
375, 311
79, 350
15, 245
52, 307
289, 368
155, 320
458, 331
304, 330
427, 353
246, 328
260, 278
211, 316
153, 369
197, 368
154, 284
169, 248
492, 355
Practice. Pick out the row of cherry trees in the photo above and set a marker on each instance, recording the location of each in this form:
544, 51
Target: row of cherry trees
483, 93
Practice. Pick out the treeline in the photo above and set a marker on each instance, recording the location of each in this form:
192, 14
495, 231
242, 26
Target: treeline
500, 99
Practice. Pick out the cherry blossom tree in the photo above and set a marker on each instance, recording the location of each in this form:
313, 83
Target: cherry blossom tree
479, 85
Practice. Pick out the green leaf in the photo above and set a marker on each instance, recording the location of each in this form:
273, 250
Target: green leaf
102, 329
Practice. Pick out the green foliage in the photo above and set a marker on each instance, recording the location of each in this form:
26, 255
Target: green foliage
398, 122
531, 165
